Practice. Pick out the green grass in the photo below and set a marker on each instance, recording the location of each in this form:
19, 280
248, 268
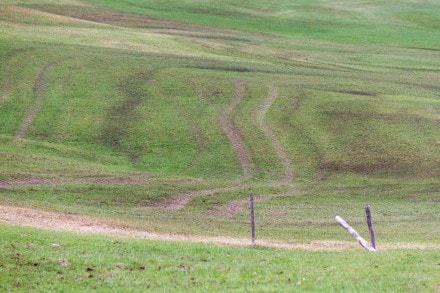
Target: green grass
345, 21
138, 87
30, 262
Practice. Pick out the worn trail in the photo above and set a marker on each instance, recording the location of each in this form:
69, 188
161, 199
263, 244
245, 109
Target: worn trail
289, 173
83, 224
140, 179
237, 206
178, 202
40, 84
234, 134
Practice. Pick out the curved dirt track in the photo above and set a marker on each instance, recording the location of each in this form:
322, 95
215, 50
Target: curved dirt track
82, 224
235, 136
237, 206
178, 202
289, 173
30, 181
40, 83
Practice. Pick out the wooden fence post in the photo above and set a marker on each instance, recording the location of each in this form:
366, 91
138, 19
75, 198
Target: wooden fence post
252, 218
354, 234
370, 226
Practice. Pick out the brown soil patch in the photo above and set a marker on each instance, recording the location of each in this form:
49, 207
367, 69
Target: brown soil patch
178, 202
233, 132
40, 83
279, 149
83, 224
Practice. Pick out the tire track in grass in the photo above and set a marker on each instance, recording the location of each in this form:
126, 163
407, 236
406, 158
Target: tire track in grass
289, 173
29, 181
235, 207
120, 121
234, 134
88, 225
140, 179
227, 122
40, 84
178, 202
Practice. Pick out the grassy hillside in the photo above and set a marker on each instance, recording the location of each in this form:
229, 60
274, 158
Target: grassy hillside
166, 114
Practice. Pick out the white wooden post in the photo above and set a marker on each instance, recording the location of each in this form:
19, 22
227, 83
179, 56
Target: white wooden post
354, 234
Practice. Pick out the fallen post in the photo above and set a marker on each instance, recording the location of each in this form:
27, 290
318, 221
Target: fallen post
370, 226
354, 234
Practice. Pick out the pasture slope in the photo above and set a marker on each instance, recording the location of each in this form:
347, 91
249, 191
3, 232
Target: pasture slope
143, 123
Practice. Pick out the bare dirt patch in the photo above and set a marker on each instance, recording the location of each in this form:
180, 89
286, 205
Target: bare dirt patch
289, 174
84, 224
234, 134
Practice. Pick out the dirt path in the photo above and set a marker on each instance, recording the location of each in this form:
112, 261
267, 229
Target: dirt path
82, 224
289, 174
140, 179
40, 83
29, 181
235, 136
178, 202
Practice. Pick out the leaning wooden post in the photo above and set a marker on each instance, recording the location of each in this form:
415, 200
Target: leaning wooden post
370, 226
252, 218
354, 234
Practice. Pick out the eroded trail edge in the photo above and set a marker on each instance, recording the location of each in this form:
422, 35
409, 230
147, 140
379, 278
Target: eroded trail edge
83, 224
289, 173
234, 134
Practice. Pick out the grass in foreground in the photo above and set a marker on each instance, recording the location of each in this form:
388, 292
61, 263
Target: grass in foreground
33, 260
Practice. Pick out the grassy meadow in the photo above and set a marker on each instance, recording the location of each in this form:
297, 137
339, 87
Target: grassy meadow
164, 115
45, 261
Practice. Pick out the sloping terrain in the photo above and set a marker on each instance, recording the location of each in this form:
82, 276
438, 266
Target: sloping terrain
164, 115
154, 120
